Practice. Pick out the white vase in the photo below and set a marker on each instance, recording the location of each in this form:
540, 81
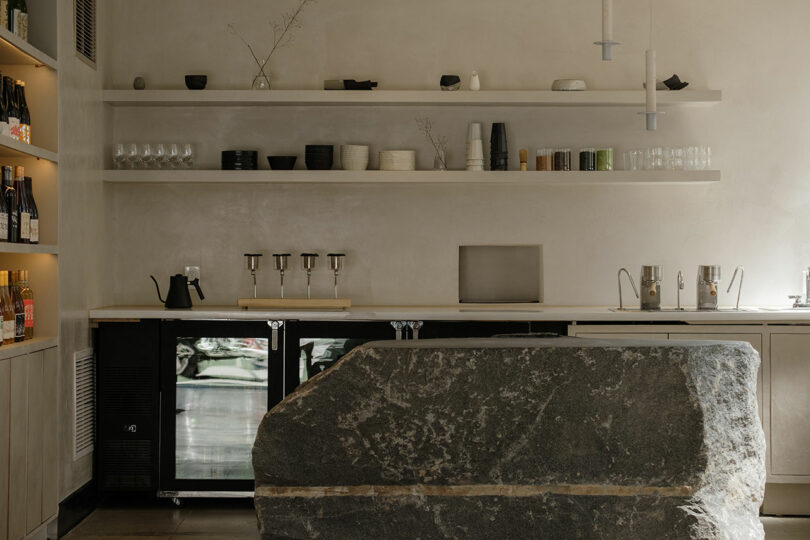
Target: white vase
475, 82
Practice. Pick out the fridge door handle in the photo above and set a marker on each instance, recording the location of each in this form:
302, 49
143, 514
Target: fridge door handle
415, 326
274, 327
398, 326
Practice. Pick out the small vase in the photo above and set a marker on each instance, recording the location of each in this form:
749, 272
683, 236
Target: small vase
439, 161
260, 82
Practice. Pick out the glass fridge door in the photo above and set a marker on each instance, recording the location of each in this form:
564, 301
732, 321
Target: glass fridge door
221, 382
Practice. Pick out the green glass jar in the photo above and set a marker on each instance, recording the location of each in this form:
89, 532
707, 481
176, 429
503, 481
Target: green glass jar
604, 159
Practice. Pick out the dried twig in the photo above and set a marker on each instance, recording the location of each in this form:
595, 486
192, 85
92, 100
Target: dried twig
439, 143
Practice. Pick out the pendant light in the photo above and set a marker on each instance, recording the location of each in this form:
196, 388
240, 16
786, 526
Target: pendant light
607, 31
651, 111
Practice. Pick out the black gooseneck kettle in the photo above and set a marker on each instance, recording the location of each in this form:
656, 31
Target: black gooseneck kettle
178, 296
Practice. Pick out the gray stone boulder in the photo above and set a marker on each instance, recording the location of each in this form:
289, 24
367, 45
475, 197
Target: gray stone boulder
518, 438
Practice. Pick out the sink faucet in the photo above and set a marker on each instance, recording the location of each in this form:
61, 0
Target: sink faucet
621, 306
739, 287
680, 288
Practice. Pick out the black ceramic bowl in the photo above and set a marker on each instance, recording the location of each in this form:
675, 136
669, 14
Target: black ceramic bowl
315, 164
320, 149
196, 82
281, 163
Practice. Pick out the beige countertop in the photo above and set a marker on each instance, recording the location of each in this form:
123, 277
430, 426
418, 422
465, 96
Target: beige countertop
466, 312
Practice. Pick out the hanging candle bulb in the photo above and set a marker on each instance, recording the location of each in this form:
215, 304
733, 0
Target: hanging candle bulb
607, 31
651, 111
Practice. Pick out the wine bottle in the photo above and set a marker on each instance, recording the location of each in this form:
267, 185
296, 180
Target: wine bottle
11, 203
10, 15
13, 108
19, 307
21, 19
23, 214
32, 209
3, 219
4, 128
25, 115
28, 301
8, 309
4, 14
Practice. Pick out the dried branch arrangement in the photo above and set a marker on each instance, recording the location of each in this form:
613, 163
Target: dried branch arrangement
439, 143
283, 36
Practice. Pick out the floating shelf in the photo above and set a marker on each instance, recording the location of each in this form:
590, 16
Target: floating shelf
495, 98
529, 178
13, 148
7, 247
16, 51
27, 347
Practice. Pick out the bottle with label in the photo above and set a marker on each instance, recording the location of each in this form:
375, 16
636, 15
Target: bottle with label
4, 127
3, 219
23, 214
10, 15
19, 307
9, 320
32, 209
21, 19
25, 115
11, 203
4, 14
13, 108
28, 301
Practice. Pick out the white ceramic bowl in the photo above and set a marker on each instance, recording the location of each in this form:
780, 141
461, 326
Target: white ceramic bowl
398, 160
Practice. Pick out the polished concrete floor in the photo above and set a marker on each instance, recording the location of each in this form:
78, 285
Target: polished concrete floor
235, 519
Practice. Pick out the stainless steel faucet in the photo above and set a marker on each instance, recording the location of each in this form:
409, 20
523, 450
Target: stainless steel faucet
739, 288
680, 288
621, 306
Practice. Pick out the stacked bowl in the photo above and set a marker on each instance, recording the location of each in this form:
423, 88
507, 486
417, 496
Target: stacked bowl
240, 160
498, 152
398, 160
475, 148
319, 157
354, 157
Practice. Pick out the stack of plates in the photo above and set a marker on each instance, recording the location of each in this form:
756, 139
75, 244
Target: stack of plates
354, 157
240, 160
398, 160
318, 157
475, 148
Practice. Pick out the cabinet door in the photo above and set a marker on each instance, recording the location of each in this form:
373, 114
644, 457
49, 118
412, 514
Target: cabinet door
643, 336
790, 404
5, 403
470, 329
18, 441
754, 339
33, 463
50, 443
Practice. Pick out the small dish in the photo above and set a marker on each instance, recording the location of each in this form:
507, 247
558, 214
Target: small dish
196, 82
282, 163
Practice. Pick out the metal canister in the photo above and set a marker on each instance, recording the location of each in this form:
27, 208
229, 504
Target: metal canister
708, 282
651, 277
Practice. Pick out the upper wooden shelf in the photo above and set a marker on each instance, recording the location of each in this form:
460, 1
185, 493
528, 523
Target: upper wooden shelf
529, 178
13, 148
15, 51
48, 249
494, 98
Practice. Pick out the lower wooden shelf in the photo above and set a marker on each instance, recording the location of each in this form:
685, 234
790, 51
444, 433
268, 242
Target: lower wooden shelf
27, 347
529, 178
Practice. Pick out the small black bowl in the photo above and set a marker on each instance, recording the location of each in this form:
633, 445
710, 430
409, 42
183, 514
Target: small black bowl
196, 82
282, 163
320, 148
318, 164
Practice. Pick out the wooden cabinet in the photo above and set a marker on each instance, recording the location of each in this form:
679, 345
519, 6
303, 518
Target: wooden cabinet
790, 405
28, 403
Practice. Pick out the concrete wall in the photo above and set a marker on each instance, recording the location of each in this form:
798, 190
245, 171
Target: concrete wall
82, 240
402, 240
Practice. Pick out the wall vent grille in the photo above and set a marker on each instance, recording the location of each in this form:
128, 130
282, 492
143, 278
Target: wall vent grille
84, 410
85, 30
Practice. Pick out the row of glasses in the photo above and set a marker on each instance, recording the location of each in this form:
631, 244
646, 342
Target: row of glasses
153, 156
658, 158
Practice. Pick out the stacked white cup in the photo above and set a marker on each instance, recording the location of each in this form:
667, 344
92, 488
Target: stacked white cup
475, 148
354, 157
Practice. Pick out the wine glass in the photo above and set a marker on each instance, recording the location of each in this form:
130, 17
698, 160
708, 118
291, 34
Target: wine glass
187, 155
132, 155
174, 155
119, 155
159, 155
146, 155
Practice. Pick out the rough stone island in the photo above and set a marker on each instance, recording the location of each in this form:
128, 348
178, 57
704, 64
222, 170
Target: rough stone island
518, 438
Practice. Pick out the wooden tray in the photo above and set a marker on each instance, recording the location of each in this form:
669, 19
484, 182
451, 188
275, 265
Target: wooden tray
294, 303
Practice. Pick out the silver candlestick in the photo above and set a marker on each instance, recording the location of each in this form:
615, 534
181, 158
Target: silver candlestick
253, 265
280, 261
336, 264
308, 263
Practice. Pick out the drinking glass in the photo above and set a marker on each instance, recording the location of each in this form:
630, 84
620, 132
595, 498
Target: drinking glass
633, 160
705, 157
146, 155
159, 155
187, 155
119, 155
174, 155
690, 158
132, 155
